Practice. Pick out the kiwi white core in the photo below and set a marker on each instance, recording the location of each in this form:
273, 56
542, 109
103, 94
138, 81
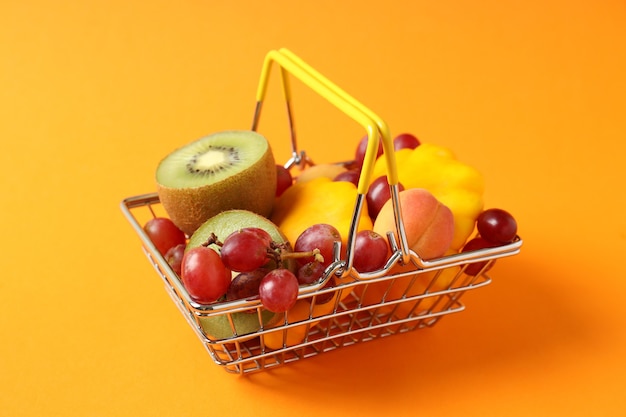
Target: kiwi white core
211, 159
207, 160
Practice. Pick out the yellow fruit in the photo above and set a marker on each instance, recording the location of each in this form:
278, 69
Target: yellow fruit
408, 286
301, 311
292, 336
319, 200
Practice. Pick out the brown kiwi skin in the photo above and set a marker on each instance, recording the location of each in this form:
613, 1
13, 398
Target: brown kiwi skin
252, 189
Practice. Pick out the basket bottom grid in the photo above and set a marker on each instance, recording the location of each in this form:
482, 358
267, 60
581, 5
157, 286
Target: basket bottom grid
337, 331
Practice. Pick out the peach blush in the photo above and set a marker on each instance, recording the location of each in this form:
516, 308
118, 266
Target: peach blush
429, 224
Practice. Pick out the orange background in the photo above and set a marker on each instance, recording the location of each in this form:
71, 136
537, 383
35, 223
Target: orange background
93, 94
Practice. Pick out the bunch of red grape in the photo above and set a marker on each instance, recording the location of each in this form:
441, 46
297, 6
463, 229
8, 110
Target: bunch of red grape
256, 262
250, 264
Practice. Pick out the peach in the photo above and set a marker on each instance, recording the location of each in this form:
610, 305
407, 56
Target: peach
429, 224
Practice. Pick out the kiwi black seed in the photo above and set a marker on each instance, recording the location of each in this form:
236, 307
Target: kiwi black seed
233, 169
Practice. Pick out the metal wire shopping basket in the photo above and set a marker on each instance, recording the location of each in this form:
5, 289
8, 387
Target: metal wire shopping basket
409, 293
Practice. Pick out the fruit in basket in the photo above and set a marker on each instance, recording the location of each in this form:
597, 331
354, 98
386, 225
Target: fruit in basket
204, 275
321, 170
303, 311
320, 200
352, 175
245, 285
310, 273
428, 224
225, 170
218, 327
378, 194
405, 140
278, 290
174, 257
413, 285
164, 234
497, 226
320, 236
476, 244
284, 179
359, 154
371, 251
246, 249
457, 185
401, 141
290, 336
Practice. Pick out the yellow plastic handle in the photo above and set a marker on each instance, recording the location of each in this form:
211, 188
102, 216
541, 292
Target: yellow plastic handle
385, 134
375, 127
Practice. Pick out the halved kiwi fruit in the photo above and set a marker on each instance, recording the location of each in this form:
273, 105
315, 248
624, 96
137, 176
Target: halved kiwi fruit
232, 169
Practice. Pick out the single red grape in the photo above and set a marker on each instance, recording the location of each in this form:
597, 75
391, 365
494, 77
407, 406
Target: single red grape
351, 175
245, 285
204, 275
326, 297
310, 273
284, 179
245, 250
497, 226
174, 257
359, 154
320, 236
279, 290
378, 194
370, 251
261, 233
476, 244
163, 233
405, 141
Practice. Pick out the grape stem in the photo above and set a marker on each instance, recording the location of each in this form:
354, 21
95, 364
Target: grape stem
284, 253
315, 253
212, 239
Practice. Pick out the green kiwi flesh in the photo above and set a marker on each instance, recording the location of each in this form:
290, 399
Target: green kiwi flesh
222, 225
218, 327
232, 169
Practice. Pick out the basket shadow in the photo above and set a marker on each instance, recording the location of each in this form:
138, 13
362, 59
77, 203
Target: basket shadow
522, 315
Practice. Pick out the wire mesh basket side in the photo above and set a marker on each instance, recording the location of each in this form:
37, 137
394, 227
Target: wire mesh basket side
404, 300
